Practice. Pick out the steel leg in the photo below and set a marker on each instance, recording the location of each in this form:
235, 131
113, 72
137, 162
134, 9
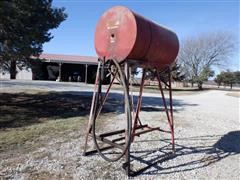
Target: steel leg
171, 110
139, 103
127, 155
92, 108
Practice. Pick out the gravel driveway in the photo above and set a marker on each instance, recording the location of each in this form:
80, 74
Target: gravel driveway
207, 133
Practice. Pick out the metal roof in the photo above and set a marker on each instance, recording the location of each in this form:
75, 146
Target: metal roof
73, 59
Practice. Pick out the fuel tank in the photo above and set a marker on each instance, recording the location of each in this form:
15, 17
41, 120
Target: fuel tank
123, 35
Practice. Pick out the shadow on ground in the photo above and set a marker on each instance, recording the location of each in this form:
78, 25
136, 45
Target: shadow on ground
199, 156
22, 109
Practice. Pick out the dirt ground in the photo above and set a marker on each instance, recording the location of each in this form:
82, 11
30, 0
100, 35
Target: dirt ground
42, 136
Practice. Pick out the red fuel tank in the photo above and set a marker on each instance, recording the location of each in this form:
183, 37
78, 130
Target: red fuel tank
121, 34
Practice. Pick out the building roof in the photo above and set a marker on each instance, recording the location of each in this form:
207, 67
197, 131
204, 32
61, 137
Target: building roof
74, 59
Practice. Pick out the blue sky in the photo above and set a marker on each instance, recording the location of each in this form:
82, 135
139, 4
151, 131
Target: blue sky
186, 18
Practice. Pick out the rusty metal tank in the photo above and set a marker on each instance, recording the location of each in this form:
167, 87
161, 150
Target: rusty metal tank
121, 34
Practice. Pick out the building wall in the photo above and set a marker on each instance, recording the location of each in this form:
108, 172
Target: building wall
23, 74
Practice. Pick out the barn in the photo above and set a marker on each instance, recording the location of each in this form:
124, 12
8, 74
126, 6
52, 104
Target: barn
59, 67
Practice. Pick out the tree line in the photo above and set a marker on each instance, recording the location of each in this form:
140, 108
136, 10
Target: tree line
228, 78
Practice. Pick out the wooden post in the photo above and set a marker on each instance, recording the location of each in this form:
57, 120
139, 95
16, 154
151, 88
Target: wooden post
86, 72
60, 71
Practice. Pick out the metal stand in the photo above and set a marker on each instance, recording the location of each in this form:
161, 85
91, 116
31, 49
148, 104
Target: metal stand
131, 131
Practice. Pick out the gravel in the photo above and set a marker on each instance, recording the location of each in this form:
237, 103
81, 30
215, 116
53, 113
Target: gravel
207, 136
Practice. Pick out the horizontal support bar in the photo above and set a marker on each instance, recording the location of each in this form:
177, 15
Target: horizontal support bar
145, 131
95, 151
112, 133
162, 130
118, 139
114, 140
119, 131
141, 126
110, 142
102, 149
149, 130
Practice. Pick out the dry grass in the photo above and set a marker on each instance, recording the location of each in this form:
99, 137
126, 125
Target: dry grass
234, 94
33, 136
29, 119
27, 108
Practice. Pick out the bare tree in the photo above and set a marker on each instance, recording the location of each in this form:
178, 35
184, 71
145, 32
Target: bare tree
200, 53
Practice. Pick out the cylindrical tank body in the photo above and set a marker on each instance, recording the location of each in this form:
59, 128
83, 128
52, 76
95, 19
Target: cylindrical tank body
121, 34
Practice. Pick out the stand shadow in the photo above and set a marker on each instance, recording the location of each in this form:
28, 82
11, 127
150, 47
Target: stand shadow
200, 156
149, 104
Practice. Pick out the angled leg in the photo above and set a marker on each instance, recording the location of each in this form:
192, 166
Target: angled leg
169, 116
89, 127
171, 109
127, 154
139, 103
